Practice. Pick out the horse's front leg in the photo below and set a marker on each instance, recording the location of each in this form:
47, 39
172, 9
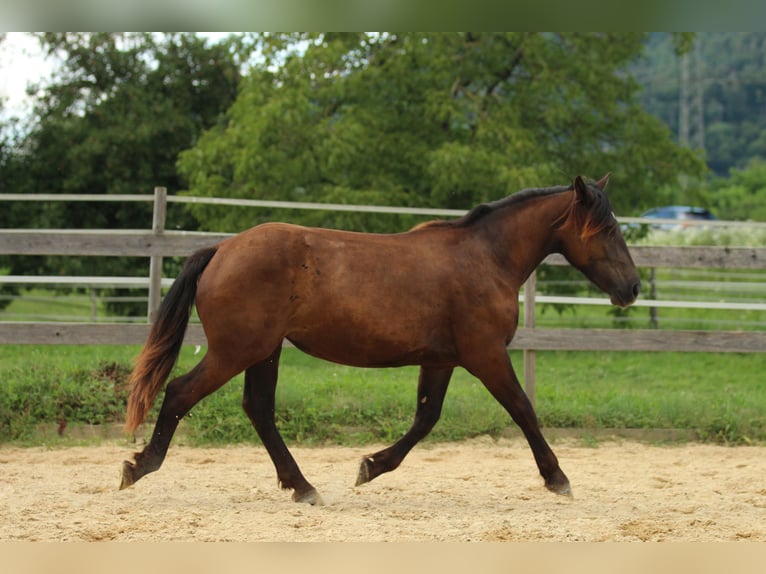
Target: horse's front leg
496, 372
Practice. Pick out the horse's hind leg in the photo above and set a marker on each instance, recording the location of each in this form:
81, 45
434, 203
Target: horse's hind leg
432, 386
258, 402
181, 395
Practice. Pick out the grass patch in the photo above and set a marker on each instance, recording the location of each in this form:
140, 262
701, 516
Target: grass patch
51, 304
720, 397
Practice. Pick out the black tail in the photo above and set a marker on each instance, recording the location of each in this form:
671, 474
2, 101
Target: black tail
160, 353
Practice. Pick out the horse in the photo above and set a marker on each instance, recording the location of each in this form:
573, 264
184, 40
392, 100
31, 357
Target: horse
441, 295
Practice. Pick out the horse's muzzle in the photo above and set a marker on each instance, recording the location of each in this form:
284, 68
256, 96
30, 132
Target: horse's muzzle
627, 296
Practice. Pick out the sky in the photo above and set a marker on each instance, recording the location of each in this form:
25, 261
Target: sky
21, 62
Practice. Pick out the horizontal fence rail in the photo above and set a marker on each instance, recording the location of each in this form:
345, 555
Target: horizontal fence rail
100, 281
143, 282
238, 202
140, 243
159, 242
539, 339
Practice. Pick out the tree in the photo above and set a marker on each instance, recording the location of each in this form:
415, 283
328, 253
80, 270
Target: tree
741, 196
113, 121
433, 119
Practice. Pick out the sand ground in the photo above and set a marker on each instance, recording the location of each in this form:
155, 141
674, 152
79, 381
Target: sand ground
476, 490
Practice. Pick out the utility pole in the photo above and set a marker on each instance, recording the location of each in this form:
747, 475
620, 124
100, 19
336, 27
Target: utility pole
691, 99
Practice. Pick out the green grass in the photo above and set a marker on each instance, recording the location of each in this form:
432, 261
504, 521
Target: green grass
40, 302
718, 397
62, 304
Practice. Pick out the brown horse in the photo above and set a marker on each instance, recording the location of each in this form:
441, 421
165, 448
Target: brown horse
442, 295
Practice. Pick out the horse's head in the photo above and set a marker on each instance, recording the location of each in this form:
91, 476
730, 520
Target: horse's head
591, 240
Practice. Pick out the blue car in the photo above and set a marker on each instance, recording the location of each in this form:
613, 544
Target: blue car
680, 212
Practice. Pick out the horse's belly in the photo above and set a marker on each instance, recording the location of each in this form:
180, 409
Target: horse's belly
369, 349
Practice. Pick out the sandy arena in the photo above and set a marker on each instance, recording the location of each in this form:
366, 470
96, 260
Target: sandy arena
478, 490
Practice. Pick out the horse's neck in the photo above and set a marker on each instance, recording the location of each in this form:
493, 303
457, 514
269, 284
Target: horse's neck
525, 234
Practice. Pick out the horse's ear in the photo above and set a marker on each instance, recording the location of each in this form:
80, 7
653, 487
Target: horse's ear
581, 188
601, 183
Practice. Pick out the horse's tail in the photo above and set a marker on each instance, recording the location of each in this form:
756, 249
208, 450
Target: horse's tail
159, 355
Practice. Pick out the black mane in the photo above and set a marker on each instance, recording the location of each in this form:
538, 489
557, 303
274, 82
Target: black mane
483, 209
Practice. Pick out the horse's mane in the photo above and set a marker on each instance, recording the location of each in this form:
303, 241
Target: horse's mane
591, 220
483, 209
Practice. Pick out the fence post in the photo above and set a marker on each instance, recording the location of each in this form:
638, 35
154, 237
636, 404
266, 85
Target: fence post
529, 322
93, 304
155, 262
653, 322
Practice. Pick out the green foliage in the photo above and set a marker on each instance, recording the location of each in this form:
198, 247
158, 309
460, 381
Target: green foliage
720, 397
433, 119
118, 114
741, 196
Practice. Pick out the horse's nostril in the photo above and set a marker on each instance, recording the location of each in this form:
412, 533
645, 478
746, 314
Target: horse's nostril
636, 289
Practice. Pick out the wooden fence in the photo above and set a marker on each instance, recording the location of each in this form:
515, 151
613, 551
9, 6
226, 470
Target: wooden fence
159, 242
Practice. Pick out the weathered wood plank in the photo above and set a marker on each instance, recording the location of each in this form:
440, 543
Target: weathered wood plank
705, 257
119, 243
72, 333
85, 334
142, 243
640, 340
719, 257
537, 339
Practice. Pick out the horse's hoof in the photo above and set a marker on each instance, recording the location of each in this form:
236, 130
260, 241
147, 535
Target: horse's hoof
561, 489
364, 472
310, 497
127, 475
